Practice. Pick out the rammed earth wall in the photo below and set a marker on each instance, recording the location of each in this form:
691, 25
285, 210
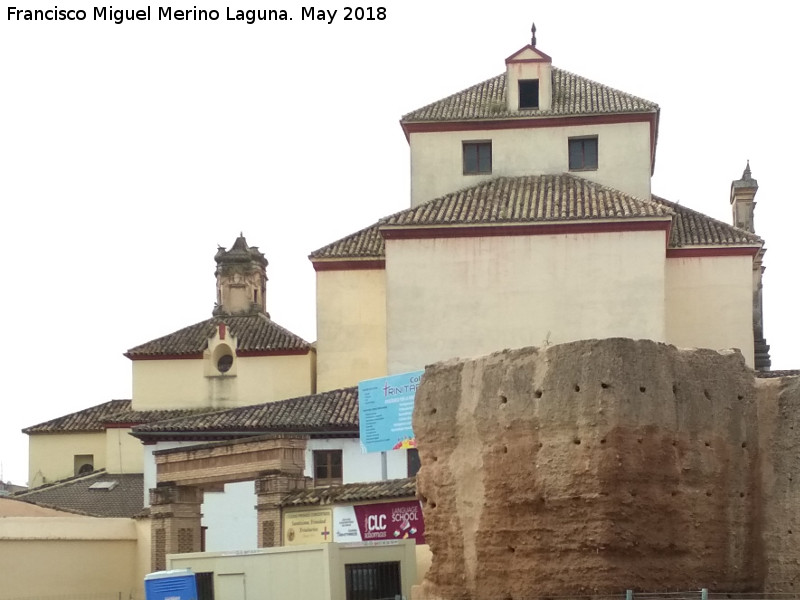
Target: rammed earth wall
604, 465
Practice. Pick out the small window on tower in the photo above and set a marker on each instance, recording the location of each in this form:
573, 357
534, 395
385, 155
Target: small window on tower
529, 93
477, 157
583, 154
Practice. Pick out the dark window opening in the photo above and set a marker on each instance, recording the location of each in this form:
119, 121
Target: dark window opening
583, 154
255, 296
87, 468
205, 585
372, 581
529, 93
327, 467
477, 157
412, 461
225, 363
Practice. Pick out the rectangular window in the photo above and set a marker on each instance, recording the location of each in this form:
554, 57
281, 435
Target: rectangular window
529, 93
477, 157
412, 461
327, 467
583, 154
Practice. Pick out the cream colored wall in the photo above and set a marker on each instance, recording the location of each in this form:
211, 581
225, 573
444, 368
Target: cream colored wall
278, 573
351, 327
471, 296
710, 303
68, 557
123, 452
165, 384
51, 456
623, 157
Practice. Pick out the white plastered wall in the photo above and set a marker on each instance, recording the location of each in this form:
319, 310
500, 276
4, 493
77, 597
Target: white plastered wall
168, 384
623, 157
351, 327
465, 297
710, 303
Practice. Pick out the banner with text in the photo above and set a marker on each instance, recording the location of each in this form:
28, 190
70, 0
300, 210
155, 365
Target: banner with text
385, 406
377, 522
307, 527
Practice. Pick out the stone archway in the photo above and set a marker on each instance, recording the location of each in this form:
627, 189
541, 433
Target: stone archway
275, 462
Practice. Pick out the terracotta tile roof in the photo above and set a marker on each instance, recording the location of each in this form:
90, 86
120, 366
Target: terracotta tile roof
335, 411
354, 492
254, 333
528, 199
535, 199
572, 95
692, 228
88, 419
122, 495
114, 412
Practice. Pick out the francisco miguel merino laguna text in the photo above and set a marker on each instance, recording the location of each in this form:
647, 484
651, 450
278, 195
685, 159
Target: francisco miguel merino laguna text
167, 13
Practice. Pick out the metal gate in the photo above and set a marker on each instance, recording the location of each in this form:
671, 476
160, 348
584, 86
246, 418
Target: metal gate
373, 581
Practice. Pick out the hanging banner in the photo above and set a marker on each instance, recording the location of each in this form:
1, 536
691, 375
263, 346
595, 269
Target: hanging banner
385, 406
376, 522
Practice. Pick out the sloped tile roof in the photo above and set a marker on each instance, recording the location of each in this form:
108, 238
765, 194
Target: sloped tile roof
254, 333
335, 411
88, 419
573, 95
113, 412
125, 498
354, 492
692, 228
537, 199
528, 199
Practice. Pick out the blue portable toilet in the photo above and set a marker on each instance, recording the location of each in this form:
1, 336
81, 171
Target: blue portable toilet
178, 584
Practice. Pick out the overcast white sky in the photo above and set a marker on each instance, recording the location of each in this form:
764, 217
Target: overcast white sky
129, 152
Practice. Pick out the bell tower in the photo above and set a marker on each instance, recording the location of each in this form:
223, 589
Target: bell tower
241, 280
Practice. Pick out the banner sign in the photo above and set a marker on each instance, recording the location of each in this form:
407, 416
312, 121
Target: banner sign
378, 522
307, 527
385, 406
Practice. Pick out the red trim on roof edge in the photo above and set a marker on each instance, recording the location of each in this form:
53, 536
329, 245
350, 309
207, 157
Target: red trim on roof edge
512, 123
349, 265
496, 229
704, 252
545, 57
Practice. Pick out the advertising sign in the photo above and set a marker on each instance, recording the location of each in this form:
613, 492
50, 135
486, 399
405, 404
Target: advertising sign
385, 406
378, 522
307, 527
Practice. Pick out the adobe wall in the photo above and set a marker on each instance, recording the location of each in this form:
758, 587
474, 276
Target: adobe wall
599, 466
779, 422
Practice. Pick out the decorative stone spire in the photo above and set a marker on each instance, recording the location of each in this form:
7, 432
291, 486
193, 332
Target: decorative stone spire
533, 35
241, 279
743, 193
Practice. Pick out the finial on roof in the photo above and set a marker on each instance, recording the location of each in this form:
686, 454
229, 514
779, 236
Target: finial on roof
747, 174
533, 35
